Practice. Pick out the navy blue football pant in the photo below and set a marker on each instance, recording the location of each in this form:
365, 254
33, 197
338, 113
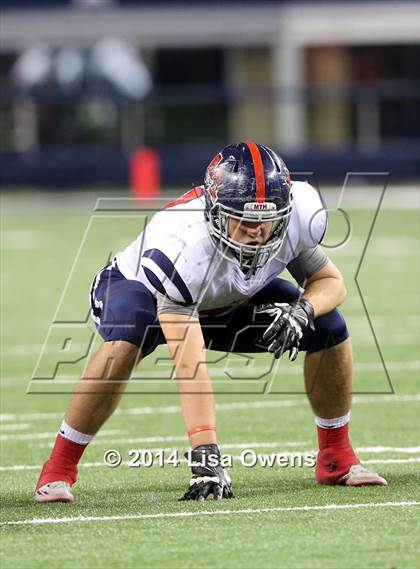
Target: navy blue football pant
126, 310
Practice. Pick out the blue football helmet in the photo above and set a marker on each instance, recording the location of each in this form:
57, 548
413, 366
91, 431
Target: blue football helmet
248, 182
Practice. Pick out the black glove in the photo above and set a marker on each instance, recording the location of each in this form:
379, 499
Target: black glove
208, 476
286, 330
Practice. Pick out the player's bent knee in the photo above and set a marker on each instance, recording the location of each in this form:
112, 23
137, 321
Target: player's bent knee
330, 330
124, 349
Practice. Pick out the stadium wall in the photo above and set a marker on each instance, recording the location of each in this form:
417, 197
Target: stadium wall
184, 165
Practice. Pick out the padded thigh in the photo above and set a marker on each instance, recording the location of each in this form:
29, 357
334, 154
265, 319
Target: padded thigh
128, 313
330, 330
125, 302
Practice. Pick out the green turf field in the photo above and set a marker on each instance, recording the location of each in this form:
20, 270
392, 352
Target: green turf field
130, 517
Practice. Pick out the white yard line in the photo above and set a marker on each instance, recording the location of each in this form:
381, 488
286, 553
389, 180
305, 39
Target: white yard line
171, 409
181, 438
388, 398
30, 416
139, 440
391, 366
15, 427
393, 460
33, 436
359, 399
358, 325
246, 371
280, 367
35, 349
381, 449
17, 467
328, 507
21, 239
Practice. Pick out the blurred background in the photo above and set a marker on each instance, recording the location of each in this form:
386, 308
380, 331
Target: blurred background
84, 84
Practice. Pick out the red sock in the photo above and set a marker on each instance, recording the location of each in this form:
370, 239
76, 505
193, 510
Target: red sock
62, 464
338, 437
336, 454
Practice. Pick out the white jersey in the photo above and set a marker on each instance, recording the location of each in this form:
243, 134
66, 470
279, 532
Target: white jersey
176, 257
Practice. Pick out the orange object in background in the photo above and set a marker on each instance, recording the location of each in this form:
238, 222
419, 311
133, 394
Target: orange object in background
145, 173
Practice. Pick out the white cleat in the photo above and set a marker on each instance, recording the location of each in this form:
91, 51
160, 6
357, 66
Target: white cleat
54, 492
358, 475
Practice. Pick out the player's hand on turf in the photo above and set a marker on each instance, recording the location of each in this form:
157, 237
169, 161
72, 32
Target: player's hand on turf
288, 325
208, 475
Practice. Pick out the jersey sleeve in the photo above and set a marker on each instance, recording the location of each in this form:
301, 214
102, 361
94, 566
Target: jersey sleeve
312, 214
167, 306
169, 273
310, 222
309, 261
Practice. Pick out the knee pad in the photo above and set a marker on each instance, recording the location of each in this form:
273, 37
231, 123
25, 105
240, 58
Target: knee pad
330, 330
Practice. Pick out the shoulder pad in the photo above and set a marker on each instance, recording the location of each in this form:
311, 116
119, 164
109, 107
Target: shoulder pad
310, 213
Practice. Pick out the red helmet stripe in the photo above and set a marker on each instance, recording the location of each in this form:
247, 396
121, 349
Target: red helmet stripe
259, 170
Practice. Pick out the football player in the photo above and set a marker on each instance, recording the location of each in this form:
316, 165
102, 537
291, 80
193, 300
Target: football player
204, 274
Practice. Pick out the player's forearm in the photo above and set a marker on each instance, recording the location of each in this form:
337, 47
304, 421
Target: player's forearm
198, 407
186, 344
325, 294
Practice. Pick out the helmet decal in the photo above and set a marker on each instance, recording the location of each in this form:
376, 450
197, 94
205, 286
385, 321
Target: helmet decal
213, 176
